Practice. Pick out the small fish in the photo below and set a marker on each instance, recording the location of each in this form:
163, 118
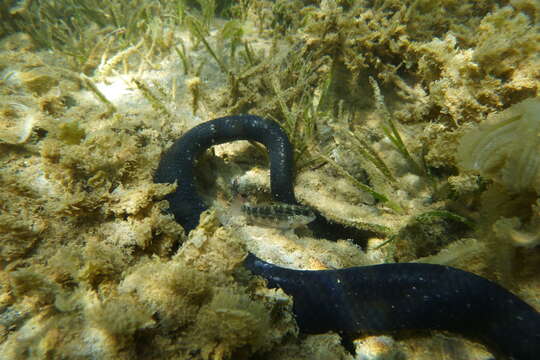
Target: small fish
281, 216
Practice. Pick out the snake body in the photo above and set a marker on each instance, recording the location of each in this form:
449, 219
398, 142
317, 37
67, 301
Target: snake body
358, 300
178, 162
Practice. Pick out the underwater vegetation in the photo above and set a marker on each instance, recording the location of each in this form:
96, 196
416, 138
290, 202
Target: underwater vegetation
505, 147
407, 120
352, 301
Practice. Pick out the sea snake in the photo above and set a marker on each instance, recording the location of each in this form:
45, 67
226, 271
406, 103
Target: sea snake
359, 300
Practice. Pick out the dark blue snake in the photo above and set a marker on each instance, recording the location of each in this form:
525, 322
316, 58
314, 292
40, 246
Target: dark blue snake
360, 300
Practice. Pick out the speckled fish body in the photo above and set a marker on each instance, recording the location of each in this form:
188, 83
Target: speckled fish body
281, 216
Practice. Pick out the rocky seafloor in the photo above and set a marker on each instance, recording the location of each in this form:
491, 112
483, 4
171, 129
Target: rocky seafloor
415, 123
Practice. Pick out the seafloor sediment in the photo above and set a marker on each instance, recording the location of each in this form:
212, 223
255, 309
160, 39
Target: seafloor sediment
412, 121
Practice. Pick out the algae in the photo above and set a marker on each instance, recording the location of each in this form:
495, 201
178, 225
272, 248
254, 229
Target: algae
505, 148
377, 98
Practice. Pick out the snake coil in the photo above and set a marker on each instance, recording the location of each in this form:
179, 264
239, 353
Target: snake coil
358, 300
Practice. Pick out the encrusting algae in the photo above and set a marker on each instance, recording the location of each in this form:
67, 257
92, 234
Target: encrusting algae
414, 121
